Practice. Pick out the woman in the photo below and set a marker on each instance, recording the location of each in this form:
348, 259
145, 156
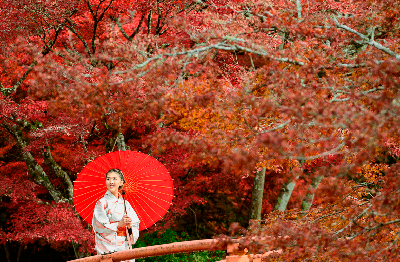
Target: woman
112, 216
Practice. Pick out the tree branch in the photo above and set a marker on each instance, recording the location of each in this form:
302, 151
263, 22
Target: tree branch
149, 21
46, 49
59, 172
327, 153
96, 23
196, 52
263, 53
383, 224
8, 91
2, 88
35, 170
352, 65
276, 128
90, 8
367, 40
71, 27
128, 37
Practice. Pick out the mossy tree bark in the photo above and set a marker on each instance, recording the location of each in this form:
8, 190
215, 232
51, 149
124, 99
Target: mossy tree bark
35, 170
307, 202
284, 195
257, 195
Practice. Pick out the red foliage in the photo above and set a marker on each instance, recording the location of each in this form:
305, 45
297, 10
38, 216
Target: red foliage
30, 219
26, 109
53, 223
215, 90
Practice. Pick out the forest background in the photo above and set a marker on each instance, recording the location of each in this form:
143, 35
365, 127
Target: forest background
294, 102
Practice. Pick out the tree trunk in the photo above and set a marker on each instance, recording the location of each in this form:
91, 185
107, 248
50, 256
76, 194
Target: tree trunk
257, 195
20, 249
307, 202
59, 172
35, 170
40, 177
284, 195
7, 251
117, 139
121, 142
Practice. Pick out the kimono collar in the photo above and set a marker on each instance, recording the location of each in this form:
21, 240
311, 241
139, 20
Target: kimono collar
110, 196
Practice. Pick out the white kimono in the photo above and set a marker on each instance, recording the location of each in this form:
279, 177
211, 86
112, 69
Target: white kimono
107, 213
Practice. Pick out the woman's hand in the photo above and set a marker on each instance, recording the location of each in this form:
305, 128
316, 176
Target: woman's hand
125, 221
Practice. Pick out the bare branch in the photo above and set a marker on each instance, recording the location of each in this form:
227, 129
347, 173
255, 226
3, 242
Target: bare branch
263, 53
352, 65
94, 36
116, 21
196, 52
336, 99
8, 91
96, 23
372, 90
367, 40
327, 153
276, 128
137, 28
159, 13
71, 27
90, 8
128, 37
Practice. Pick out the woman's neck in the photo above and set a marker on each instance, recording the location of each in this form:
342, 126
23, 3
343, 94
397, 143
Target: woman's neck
116, 193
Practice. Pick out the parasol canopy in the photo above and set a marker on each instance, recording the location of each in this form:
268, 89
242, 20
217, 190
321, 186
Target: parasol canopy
148, 185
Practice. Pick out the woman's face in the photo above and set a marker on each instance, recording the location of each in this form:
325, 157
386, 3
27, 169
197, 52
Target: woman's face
113, 182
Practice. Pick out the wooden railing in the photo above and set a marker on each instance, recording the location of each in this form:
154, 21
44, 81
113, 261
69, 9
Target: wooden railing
234, 254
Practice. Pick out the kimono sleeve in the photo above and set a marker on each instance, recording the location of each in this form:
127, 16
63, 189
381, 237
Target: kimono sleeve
101, 224
135, 221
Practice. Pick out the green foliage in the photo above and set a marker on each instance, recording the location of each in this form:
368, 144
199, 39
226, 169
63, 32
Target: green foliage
170, 236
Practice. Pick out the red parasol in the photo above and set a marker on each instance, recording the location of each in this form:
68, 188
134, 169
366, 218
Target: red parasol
148, 185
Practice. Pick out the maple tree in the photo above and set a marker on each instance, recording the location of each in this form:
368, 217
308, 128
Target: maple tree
217, 90
53, 142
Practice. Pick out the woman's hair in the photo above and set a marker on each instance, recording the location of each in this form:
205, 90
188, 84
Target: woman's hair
119, 172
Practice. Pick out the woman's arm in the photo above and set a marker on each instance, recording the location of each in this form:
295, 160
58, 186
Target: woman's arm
100, 222
134, 223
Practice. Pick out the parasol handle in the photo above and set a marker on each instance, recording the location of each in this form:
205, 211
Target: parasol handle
123, 197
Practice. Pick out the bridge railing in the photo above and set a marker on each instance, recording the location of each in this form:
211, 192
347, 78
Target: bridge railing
234, 254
